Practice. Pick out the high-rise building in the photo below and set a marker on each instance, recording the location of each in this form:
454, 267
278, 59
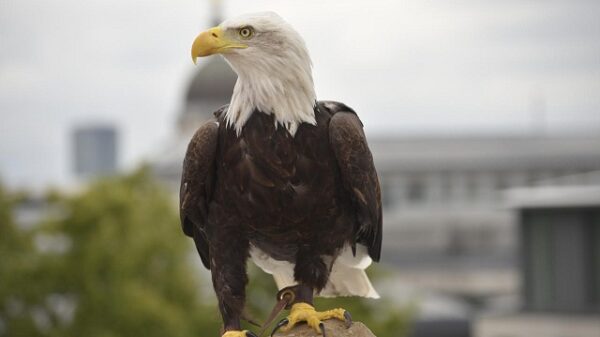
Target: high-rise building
94, 150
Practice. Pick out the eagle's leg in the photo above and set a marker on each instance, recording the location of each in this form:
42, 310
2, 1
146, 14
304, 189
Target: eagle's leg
312, 274
229, 277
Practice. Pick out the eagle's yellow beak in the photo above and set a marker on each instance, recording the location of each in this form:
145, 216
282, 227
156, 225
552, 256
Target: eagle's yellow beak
211, 42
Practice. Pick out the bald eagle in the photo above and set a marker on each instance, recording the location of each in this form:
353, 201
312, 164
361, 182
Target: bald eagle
279, 177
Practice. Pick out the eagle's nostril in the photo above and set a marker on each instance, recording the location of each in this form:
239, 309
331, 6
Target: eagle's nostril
214, 35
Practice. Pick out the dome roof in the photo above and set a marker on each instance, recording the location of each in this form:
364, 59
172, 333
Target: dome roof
214, 81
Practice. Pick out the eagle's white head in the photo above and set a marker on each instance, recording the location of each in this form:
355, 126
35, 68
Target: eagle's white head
273, 68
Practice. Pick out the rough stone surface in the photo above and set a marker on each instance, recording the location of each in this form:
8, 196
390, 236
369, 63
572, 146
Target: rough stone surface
333, 328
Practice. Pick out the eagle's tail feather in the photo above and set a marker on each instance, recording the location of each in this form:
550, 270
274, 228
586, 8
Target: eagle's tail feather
348, 281
347, 276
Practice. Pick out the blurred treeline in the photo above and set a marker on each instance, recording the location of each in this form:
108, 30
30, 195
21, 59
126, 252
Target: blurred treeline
112, 261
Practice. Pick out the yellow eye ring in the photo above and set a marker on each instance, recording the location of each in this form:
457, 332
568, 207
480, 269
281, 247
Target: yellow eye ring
246, 32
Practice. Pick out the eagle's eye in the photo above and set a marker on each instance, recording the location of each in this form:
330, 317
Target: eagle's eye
246, 32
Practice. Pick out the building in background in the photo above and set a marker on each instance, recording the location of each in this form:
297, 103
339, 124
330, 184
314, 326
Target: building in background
209, 89
559, 254
95, 150
446, 224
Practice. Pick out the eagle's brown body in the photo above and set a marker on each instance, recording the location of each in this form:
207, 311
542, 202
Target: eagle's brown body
296, 198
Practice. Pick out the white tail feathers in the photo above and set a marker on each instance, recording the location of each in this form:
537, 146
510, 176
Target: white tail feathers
347, 276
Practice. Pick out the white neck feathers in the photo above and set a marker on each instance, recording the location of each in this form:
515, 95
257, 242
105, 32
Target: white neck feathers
279, 83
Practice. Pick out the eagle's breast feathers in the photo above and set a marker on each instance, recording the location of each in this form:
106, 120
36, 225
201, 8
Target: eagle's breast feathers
317, 187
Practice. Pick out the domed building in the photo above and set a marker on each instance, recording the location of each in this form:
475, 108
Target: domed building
209, 89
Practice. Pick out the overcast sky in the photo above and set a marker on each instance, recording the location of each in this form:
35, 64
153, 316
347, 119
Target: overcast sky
408, 67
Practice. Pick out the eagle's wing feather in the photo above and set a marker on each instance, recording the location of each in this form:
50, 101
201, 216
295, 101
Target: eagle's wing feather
356, 165
197, 185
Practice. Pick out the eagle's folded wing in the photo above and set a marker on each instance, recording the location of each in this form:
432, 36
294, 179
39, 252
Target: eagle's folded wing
197, 182
355, 161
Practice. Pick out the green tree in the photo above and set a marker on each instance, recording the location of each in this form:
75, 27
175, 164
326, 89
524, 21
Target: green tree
18, 263
109, 262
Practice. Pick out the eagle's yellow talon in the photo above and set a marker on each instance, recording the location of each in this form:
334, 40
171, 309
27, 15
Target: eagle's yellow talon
304, 312
238, 333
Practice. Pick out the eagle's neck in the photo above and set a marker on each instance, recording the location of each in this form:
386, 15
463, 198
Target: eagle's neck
278, 85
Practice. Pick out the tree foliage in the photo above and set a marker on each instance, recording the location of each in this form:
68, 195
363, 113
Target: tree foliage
108, 262
18, 264
111, 261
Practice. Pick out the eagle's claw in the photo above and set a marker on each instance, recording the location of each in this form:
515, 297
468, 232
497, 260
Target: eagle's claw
322, 327
250, 334
347, 319
304, 312
281, 323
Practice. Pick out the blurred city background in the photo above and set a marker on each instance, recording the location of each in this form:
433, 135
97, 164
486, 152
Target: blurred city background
483, 118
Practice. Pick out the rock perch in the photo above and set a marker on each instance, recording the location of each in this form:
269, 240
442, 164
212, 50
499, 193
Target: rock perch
333, 328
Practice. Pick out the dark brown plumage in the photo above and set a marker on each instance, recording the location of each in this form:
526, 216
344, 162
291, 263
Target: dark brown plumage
297, 198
